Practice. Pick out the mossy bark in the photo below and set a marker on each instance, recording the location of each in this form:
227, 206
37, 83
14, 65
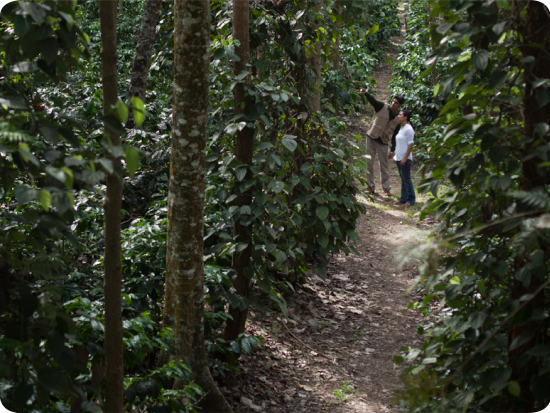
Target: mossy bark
113, 345
184, 297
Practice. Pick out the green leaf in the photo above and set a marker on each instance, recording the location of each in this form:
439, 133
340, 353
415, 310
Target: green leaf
280, 256
426, 73
56, 173
132, 159
322, 212
481, 287
122, 111
45, 199
138, 110
503, 4
541, 128
27, 155
92, 177
543, 97
481, 59
437, 89
289, 144
148, 388
523, 338
444, 28
50, 134
21, 25
323, 241
24, 194
373, 29
499, 27
37, 12
281, 301
69, 177
454, 280
240, 173
277, 186
476, 320
231, 129
68, 18
498, 77
264, 284
107, 164
514, 389
264, 145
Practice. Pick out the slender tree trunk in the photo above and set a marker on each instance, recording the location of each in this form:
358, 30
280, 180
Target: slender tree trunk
336, 57
114, 363
184, 297
315, 65
142, 58
535, 29
244, 141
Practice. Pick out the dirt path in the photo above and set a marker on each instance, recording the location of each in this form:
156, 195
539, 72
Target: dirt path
353, 323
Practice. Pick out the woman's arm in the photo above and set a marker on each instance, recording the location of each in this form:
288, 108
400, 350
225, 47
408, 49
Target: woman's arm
409, 150
392, 149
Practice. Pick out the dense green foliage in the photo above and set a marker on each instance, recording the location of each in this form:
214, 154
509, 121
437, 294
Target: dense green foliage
485, 275
53, 164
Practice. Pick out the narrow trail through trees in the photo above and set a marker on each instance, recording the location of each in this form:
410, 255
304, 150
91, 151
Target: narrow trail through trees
345, 330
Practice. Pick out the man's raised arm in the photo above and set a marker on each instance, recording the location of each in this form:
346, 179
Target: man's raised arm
376, 104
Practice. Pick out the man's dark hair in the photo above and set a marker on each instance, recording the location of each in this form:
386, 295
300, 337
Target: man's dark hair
399, 98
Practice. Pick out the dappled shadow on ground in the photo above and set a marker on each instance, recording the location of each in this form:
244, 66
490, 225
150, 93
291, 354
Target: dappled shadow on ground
345, 330
337, 354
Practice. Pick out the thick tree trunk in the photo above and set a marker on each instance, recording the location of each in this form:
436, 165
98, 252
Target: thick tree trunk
535, 29
244, 141
184, 297
114, 362
142, 58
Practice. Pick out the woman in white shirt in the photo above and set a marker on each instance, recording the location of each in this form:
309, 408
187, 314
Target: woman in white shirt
403, 158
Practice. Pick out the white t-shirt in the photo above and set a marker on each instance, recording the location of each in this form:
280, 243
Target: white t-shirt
402, 141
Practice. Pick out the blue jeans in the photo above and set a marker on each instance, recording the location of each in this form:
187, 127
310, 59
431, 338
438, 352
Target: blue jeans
407, 190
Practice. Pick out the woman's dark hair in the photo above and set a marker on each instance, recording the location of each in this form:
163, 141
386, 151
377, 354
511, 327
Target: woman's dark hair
399, 98
408, 114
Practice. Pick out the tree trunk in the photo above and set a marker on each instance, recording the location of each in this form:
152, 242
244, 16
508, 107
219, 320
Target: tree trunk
336, 58
535, 29
315, 64
142, 58
114, 362
184, 296
244, 141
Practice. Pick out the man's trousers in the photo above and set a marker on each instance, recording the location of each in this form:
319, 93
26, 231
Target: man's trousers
374, 147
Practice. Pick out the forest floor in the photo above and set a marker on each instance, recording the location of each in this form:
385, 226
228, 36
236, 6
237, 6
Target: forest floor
334, 353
